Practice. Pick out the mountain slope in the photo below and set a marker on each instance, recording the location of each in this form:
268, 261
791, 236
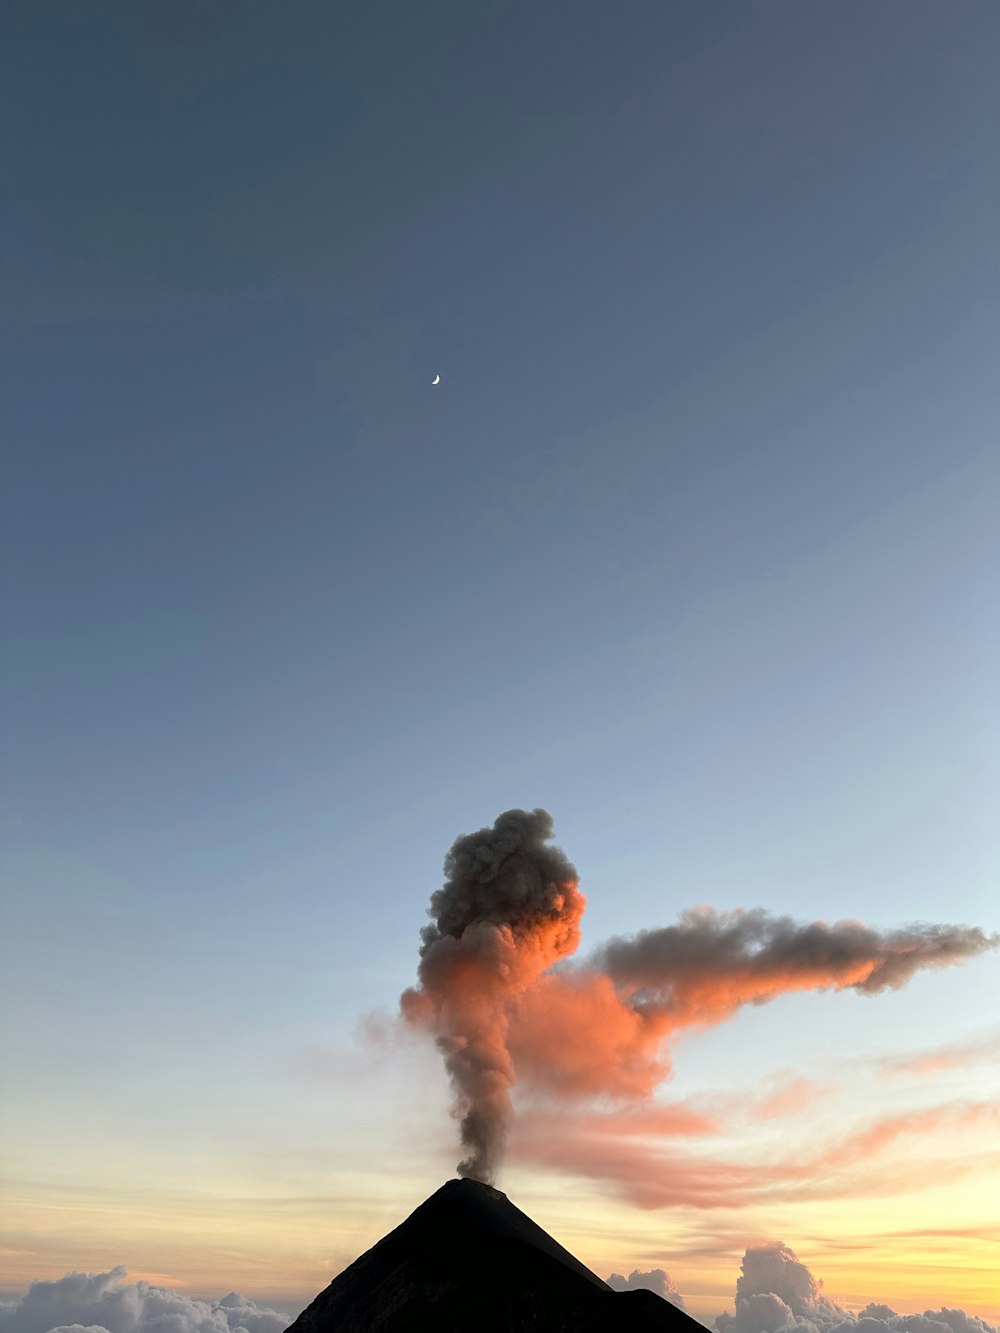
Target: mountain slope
468, 1261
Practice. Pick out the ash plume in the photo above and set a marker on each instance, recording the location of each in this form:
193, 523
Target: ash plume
502, 1014
507, 911
603, 1027
760, 955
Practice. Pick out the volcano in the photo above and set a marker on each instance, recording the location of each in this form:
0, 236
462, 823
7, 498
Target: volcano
468, 1261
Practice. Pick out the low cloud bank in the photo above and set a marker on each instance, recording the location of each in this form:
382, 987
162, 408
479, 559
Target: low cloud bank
776, 1292
657, 1279
102, 1303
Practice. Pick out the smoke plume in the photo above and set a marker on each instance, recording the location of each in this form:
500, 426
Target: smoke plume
501, 1013
507, 911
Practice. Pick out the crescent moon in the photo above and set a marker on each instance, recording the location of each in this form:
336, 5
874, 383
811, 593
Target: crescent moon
436, 379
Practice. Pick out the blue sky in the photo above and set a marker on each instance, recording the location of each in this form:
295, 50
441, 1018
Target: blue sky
694, 544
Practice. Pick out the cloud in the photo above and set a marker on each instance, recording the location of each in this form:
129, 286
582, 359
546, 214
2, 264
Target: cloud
102, 1303
886, 1130
626, 1150
776, 1292
643, 1173
78, 1328
943, 1058
788, 1094
670, 1120
657, 1280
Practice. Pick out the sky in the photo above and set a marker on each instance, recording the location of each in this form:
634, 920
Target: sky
694, 546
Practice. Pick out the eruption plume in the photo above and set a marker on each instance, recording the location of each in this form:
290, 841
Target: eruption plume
507, 911
500, 1014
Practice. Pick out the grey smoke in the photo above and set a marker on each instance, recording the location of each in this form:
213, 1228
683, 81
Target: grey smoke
656, 1279
505, 876
101, 1302
509, 909
776, 1292
756, 945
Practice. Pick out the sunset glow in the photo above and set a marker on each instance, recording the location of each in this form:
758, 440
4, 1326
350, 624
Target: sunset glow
499, 652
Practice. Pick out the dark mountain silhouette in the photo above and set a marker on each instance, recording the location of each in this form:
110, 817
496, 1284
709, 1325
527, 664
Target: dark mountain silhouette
468, 1261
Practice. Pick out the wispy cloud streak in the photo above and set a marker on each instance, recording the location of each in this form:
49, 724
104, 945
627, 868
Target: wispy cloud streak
649, 1175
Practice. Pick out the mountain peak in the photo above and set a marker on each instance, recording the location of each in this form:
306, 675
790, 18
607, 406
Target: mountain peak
467, 1258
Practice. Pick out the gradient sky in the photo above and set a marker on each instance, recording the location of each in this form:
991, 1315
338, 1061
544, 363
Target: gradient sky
695, 545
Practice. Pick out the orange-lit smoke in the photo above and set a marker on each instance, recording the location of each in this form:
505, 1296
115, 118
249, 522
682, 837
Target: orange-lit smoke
510, 909
602, 1028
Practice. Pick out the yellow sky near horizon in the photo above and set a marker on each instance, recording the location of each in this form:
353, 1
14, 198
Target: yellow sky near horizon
878, 1168
911, 1251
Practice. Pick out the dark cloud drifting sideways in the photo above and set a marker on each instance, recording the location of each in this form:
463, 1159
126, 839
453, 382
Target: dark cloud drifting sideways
103, 1303
776, 1293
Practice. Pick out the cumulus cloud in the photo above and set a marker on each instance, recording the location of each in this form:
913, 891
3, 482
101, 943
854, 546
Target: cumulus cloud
657, 1280
776, 1292
104, 1303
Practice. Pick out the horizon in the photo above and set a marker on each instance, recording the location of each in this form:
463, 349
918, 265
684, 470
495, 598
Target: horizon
418, 414
670, 1288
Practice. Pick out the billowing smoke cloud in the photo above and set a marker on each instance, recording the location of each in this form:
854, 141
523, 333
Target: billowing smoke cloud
601, 1027
508, 910
756, 956
102, 1303
501, 1013
775, 1291
657, 1279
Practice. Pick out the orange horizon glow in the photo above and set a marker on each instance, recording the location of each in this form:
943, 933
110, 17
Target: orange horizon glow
925, 1267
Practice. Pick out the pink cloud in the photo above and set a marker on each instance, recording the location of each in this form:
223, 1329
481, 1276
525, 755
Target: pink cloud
943, 1058
651, 1176
788, 1095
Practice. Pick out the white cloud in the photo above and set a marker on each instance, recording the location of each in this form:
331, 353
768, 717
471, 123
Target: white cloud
102, 1303
657, 1279
776, 1293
